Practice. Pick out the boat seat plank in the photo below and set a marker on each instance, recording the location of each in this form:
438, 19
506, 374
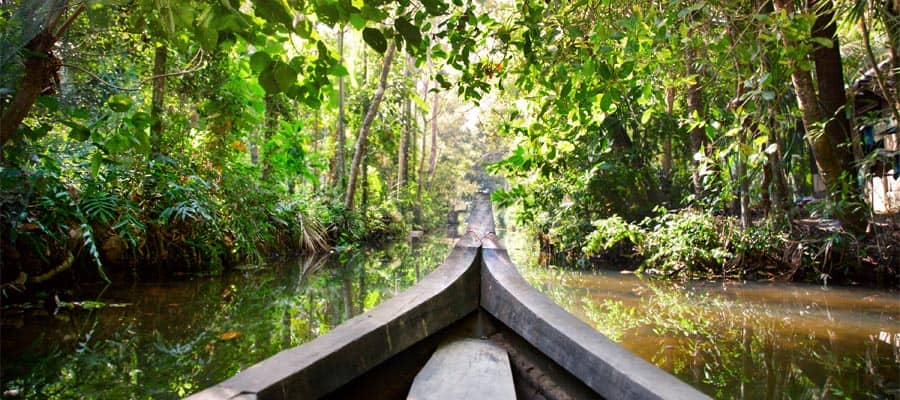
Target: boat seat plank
465, 369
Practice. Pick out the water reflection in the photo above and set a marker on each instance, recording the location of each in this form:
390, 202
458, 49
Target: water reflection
741, 340
174, 338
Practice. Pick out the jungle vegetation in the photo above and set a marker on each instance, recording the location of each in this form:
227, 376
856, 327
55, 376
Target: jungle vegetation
674, 135
195, 136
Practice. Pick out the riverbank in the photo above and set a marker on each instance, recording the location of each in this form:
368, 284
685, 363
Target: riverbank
691, 244
61, 230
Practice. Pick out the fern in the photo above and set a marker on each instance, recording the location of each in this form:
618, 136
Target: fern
100, 206
129, 227
91, 244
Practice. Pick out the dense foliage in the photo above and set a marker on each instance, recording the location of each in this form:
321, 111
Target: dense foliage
708, 109
204, 134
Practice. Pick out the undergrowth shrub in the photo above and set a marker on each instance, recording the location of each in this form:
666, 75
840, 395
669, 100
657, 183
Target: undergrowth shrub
670, 243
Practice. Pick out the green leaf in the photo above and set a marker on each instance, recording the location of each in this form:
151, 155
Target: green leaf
140, 120
119, 102
285, 76
304, 29
435, 7
338, 70
328, 12
266, 79
96, 162
587, 70
604, 70
48, 102
645, 117
79, 133
606, 102
443, 81
357, 21
419, 102
259, 61
410, 32
274, 11
626, 69
375, 39
824, 42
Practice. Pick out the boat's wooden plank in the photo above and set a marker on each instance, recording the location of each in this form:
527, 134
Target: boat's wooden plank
465, 369
604, 366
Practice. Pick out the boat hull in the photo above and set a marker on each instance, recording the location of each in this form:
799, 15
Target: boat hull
477, 293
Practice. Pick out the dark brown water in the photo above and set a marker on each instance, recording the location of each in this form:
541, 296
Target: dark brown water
741, 340
157, 340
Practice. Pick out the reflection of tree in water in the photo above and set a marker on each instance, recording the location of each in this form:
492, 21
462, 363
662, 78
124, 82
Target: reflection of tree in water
747, 351
177, 338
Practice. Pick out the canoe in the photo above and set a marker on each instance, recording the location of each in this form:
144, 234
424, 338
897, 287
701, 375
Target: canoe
469, 307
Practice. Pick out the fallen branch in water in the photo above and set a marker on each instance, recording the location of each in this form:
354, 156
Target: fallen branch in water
66, 264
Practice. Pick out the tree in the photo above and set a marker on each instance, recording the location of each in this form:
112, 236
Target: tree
824, 118
47, 22
362, 135
159, 93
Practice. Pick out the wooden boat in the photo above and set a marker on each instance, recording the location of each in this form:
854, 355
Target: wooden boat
479, 313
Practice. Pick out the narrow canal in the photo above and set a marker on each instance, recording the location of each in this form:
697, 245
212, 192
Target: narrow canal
734, 340
161, 340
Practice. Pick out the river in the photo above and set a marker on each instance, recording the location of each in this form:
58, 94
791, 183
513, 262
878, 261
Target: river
738, 340
139, 339
144, 339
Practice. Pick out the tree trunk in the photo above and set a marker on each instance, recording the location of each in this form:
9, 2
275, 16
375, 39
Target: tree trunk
159, 93
743, 179
338, 173
432, 160
833, 98
891, 20
363, 134
364, 184
832, 158
421, 173
698, 136
403, 155
890, 98
667, 139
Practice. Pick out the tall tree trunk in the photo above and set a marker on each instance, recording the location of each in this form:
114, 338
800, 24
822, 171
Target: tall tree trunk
667, 139
403, 150
338, 174
421, 173
159, 93
698, 136
832, 158
364, 184
747, 125
432, 160
891, 98
833, 98
363, 134
743, 179
891, 18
